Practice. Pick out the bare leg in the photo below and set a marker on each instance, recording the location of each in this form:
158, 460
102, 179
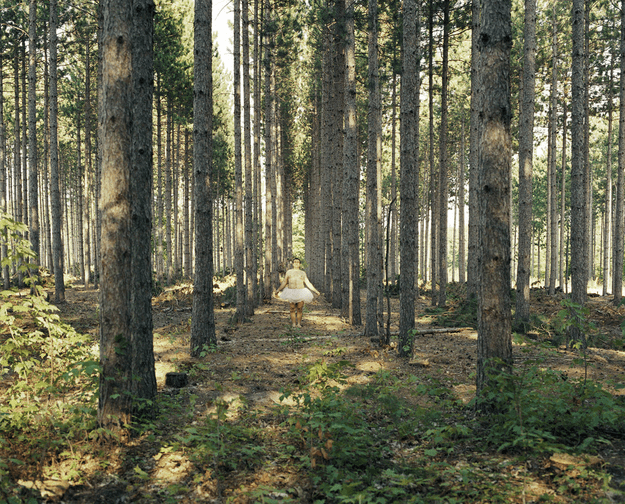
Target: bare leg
293, 307
300, 309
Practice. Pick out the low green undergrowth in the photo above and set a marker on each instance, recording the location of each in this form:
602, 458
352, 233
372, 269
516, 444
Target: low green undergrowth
49, 373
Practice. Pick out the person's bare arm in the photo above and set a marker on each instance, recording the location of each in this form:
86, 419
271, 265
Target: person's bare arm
308, 284
284, 283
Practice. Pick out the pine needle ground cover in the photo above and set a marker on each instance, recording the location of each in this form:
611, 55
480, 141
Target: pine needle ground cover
319, 414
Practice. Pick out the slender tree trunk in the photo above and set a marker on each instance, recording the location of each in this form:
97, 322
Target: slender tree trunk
55, 195
203, 315
269, 203
88, 160
562, 197
187, 229
526, 144
337, 176
257, 266
239, 252
392, 266
494, 344
472, 256
442, 171
409, 173
579, 245
250, 273
461, 241
607, 212
33, 197
553, 206
619, 224
168, 190
374, 171
6, 279
351, 169
434, 200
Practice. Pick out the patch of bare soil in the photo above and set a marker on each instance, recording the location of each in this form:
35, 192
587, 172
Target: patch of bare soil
255, 361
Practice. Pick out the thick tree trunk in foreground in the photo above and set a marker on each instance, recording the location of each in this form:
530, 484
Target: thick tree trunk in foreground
409, 173
143, 375
203, 316
494, 314
115, 402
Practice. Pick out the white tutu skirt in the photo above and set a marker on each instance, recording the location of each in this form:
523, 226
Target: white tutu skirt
296, 295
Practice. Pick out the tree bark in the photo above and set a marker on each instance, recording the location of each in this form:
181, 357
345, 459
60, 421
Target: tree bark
443, 190
526, 152
55, 195
33, 197
115, 402
203, 315
494, 315
579, 245
143, 384
250, 272
374, 175
472, 259
619, 224
351, 170
409, 173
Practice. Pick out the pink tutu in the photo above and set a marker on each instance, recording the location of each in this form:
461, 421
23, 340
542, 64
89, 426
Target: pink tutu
296, 295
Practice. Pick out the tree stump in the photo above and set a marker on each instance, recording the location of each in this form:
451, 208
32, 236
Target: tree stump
176, 380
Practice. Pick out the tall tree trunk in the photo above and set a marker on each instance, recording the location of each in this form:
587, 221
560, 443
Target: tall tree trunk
168, 190
392, 266
607, 212
526, 144
619, 224
351, 170
250, 273
269, 200
461, 240
434, 200
187, 229
115, 401
579, 246
5, 278
55, 195
257, 265
562, 197
88, 159
374, 175
337, 174
472, 256
239, 257
409, 173
442, 170
494, 344
33, 197
158, 231
143, 384
327, 151
553, 192
203, 316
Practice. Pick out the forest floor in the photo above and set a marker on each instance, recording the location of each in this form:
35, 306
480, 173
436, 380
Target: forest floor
231, 435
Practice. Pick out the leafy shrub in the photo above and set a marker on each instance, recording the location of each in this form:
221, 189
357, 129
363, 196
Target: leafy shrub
49, 367
542, 409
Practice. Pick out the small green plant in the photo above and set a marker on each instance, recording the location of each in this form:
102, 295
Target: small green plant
539, 409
